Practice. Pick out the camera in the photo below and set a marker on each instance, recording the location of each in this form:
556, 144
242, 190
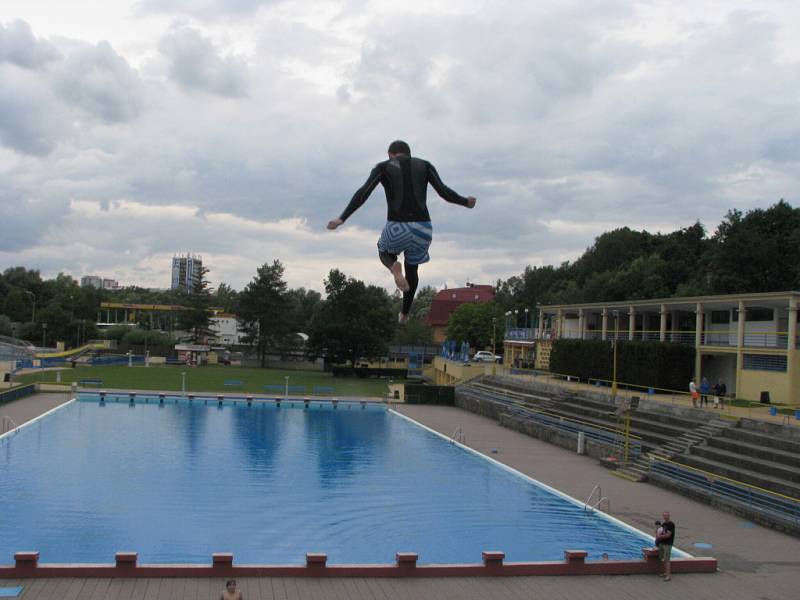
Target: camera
658, 523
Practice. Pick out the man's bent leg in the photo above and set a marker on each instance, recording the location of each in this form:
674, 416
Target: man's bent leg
390, 262
412, 277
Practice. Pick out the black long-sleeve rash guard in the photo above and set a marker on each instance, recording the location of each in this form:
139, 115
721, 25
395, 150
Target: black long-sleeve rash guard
405, 180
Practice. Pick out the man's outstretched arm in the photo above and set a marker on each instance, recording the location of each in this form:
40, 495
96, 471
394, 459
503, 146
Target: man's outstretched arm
358, 198
445, 192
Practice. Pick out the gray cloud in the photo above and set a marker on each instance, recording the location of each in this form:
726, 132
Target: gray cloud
195, 64
564, 120
19, 46
100, 82
204, 8
31, 118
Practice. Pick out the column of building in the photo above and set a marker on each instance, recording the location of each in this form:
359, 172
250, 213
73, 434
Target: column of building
581, 323
604, 331
662, 329
698, 342
740, 346
631, 323
792, 366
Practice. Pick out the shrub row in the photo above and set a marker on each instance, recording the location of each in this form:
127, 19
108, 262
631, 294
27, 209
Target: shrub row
650, 364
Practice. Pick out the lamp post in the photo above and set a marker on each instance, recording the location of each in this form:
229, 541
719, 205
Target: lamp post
33, 312
286, 378
526, 321
614, 375
44, 335
183, 382
494, 329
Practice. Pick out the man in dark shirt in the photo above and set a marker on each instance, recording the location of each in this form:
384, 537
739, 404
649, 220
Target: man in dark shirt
665, 536
408, 227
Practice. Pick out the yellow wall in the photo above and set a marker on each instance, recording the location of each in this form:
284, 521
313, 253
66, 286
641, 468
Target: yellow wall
450, 372
543, 348
754, 382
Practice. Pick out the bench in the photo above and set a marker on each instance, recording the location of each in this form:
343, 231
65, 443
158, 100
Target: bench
88, 382
233, 383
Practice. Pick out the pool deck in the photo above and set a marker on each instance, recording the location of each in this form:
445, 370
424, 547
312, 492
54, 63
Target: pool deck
755, 562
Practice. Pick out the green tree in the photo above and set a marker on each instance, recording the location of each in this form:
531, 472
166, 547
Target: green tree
197, 319
263, 310
477, 324
756, 252
226, 298
354, 321
6, 327
415, 332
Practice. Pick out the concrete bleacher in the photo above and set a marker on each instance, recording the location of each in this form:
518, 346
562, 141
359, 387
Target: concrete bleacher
744, 465
652, 427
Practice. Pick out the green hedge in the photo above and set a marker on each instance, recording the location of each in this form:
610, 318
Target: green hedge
651, 364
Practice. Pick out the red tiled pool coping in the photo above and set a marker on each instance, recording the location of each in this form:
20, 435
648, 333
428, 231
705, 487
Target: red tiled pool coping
27, 566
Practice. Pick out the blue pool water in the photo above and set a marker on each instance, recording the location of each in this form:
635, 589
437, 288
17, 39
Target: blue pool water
180, 481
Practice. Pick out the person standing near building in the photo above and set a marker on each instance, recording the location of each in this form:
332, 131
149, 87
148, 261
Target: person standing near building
705, 389
693, 392
665, 537
719, 394
408, 228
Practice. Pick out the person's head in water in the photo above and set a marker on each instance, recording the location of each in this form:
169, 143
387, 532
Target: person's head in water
399, 147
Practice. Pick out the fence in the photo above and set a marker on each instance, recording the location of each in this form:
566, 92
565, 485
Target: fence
17, 392
116, 360
597, 433
758, 500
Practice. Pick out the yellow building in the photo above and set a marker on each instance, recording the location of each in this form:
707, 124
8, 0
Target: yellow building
749, 341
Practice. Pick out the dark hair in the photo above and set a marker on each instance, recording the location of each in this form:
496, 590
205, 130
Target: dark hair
230, 581
400, 147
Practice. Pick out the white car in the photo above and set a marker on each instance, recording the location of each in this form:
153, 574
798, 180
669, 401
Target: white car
485, 356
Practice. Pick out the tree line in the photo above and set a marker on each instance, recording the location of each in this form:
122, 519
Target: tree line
756, 251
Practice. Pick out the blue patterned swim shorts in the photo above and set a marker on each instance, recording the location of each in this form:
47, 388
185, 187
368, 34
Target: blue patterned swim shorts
412, 238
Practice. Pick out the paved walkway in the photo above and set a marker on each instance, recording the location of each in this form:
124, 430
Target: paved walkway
755, 562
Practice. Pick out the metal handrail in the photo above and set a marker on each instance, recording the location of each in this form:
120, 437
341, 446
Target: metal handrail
8, 424
600, 498
724, 487
561, 417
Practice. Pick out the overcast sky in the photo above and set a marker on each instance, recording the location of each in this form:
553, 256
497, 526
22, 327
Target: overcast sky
235, 129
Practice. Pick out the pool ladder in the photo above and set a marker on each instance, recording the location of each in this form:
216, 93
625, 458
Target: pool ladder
600, 498
458, 436
7, 424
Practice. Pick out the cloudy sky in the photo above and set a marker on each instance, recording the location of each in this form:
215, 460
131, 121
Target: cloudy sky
235, 129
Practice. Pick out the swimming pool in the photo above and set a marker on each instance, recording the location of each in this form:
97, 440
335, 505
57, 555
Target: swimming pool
180, 480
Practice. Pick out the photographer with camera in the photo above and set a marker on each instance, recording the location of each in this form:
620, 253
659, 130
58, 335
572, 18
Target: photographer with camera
665, 536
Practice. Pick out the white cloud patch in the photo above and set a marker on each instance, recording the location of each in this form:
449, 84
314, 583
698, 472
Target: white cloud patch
101, 83
18, 46
247, 125
196, 65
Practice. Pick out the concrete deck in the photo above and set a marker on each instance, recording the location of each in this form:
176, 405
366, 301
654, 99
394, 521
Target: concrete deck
755, 562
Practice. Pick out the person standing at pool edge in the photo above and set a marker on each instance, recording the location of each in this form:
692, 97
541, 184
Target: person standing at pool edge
408, 227
665, 537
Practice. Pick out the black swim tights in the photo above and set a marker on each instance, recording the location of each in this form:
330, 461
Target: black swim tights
412, 277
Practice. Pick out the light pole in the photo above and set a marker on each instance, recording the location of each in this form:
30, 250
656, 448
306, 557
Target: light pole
526, 321
183, 382
286, 378
494, 330
44, 335
614, 375
33, 312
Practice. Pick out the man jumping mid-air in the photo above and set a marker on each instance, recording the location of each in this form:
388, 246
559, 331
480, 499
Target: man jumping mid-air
408, 225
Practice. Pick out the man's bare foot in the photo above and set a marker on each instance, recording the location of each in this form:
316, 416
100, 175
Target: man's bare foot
400, 281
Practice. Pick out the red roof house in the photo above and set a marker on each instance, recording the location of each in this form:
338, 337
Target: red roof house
447, 300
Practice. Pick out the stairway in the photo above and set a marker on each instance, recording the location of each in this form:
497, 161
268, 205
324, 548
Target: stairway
638, 469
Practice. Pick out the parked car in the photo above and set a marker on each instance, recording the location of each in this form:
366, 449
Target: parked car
485, 356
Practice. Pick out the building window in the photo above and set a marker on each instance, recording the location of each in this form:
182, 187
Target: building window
720, 317
760, 314
765, 362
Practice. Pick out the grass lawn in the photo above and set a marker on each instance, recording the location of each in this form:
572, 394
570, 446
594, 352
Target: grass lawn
211, 379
